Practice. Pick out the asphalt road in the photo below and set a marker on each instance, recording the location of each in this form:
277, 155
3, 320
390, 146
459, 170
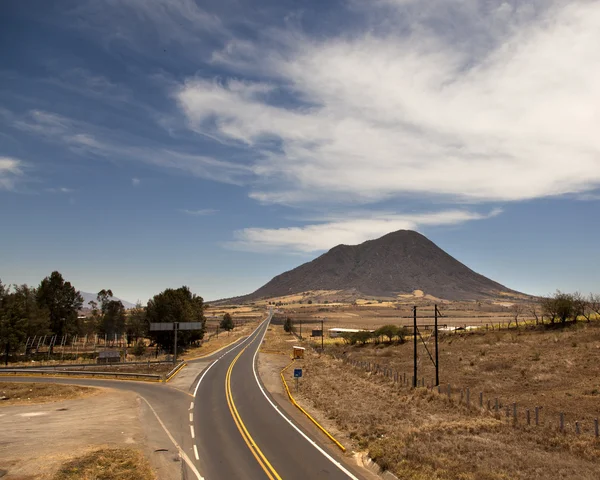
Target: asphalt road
240, 432
227, 426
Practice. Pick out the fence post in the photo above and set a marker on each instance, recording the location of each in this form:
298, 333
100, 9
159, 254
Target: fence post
489, 404
515, 412
480, 399
497, 406
562, 421
449, 390
528, 418
439, 389
577, 428
596, 427
537, 416
468, 398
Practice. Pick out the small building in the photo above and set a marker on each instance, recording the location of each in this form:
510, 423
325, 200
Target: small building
338, 332
109, 356
298, 352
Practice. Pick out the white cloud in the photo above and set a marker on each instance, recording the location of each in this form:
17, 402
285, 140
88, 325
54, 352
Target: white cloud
323, 236
200, 212
381, 114
135, 182
10, 170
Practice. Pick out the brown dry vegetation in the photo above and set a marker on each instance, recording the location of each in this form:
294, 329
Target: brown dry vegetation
12, 393
418, 434
557, 369
107, 464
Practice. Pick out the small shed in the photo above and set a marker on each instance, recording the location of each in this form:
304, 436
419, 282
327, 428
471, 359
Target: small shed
109, 356
298, 352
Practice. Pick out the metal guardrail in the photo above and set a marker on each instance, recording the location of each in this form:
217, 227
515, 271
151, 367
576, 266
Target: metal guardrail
71, 365
174, 370
16, 371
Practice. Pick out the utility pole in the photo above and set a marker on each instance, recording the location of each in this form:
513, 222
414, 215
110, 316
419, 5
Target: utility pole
415, 346
437, 360
322, 336
300, 322
175, 328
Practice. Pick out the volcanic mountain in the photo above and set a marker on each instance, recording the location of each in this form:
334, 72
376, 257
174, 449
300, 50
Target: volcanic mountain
397, 263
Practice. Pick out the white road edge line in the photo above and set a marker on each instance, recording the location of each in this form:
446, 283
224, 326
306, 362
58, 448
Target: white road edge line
192, 430
182, 454
191, 417
213, 363
325, 454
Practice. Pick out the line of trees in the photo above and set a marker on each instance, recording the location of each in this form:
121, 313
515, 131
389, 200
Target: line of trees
52, 308
565, 307
389, 333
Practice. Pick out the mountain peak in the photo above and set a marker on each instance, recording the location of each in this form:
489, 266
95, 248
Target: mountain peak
397, 263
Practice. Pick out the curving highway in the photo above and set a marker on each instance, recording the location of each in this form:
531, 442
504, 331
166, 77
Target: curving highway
242, 434
227, 426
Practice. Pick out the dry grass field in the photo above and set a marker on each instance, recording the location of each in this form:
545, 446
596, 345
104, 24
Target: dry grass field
419, 434
107, 463
557, 369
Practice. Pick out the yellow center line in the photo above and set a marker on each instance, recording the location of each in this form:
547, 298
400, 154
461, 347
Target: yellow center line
260, 458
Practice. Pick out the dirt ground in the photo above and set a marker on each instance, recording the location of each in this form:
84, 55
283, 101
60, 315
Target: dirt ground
37, 439
12, 393
418, 434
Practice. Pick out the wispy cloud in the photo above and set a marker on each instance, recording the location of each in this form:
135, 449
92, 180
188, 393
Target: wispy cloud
200, 212
323, 236
135, 182
60, 190
11, 169
86, 138
417, 111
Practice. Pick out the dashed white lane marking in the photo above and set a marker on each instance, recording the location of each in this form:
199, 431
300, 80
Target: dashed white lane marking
191, 405
181, 452
192, 430
191, 417
32, 414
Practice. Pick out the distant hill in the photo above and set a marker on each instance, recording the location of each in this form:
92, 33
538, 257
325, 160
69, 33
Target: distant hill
397, 263
92, 296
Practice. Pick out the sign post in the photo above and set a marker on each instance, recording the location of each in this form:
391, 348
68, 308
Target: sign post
297, 375
174, 327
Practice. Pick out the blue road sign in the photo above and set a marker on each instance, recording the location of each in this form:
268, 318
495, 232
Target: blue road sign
297, 372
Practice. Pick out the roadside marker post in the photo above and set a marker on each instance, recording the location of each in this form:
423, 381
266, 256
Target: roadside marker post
297, 375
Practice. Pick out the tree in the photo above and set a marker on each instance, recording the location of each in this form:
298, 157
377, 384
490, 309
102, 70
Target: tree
287, 325
136, 325
62, 302
176, 305
534, 311
517, 310
363, 336
112, 321
226, 322
389, 331
594, 303
563, 306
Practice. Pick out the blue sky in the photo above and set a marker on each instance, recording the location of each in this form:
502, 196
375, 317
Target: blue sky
147, 144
